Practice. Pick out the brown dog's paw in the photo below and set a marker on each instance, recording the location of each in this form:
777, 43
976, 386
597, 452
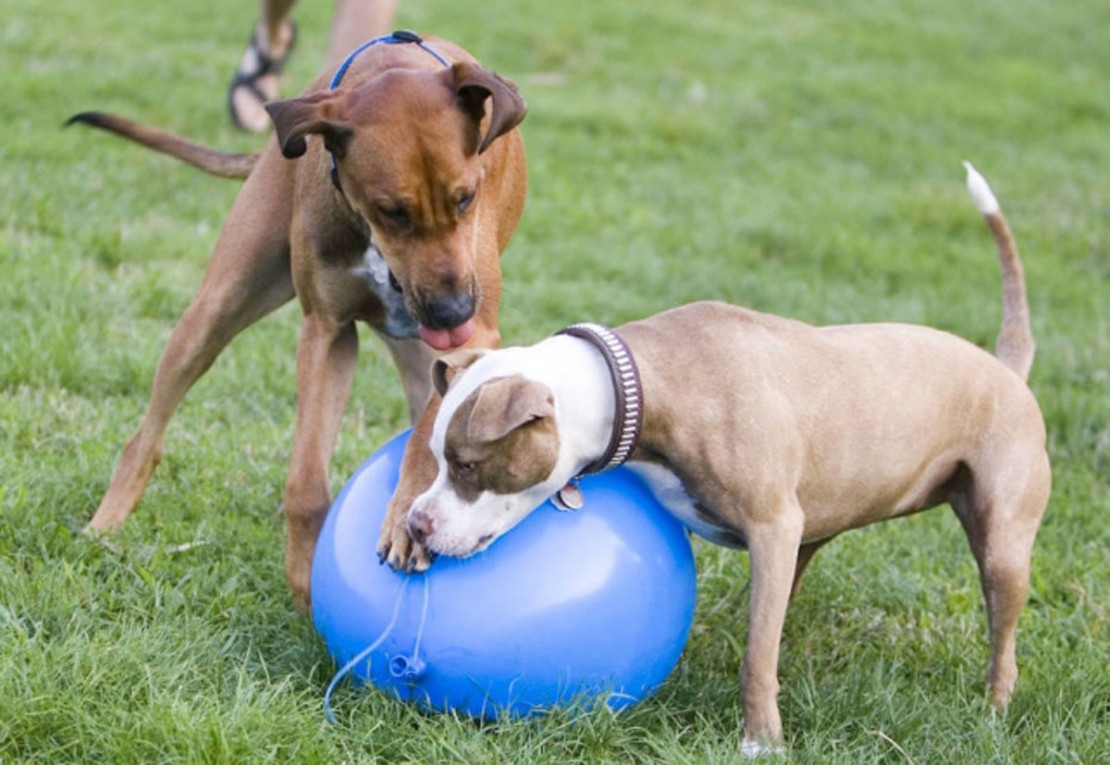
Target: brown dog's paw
298, 577
400, 550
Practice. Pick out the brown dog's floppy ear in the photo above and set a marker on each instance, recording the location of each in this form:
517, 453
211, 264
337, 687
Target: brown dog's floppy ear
317, 114
446, 368
474, 85
505, 404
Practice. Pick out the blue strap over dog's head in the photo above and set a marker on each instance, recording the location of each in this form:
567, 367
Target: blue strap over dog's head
396, 38
400, 36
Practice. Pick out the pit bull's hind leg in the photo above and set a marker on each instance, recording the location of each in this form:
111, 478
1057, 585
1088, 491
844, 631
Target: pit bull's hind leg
247, 277
1001, 522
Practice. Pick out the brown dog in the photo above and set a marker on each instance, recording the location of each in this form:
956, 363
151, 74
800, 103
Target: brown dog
411, 152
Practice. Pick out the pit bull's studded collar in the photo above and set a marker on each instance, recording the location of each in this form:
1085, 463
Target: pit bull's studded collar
400, 36
627, 389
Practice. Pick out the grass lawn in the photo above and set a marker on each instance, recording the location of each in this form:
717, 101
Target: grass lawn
795, 156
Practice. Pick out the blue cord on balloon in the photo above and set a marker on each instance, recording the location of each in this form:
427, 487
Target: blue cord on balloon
409, 667
346, 668
416, 664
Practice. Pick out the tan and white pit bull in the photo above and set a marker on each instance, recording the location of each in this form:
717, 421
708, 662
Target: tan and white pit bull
408, 181
762, 433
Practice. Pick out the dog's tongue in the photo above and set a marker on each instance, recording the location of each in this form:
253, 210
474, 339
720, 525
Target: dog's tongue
446, 339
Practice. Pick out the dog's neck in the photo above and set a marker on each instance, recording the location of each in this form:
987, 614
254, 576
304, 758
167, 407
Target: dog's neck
585, 401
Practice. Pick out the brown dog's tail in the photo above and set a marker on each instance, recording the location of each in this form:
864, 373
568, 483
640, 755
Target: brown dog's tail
1015, 345
218, 163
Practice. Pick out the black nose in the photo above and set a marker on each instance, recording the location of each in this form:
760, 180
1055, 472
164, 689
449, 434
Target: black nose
448, 311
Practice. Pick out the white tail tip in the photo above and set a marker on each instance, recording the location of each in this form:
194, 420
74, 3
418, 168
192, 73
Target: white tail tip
981, 191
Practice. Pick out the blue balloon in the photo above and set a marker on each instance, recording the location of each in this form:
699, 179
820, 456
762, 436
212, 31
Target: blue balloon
566, 608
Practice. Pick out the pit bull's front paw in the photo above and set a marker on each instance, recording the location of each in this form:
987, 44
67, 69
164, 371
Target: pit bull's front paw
400, 550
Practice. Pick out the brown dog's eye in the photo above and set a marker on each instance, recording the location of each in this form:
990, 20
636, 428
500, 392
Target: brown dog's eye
398, 215
465, 201
467, 467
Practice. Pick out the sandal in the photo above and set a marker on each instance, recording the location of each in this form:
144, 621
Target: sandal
253, 67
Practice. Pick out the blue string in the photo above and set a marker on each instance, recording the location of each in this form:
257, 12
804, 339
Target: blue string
346, 668
420, 628
414, 662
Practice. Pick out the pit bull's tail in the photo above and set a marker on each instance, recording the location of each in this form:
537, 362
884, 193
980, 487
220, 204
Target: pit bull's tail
1015, 345
214, 162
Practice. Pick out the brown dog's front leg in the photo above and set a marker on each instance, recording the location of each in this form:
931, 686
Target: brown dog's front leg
326, 357
413, 359
773, 547
418, 472
418, 468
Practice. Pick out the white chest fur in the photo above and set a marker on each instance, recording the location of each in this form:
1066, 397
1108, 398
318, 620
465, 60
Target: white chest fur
375, 271
671, 493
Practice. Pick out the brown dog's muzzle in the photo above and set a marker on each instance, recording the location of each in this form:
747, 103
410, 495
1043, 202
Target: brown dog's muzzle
447, 311
446, 317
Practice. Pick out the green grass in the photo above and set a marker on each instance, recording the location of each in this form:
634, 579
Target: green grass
798, 157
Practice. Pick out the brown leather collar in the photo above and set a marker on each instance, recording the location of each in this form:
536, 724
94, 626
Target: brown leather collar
627, 389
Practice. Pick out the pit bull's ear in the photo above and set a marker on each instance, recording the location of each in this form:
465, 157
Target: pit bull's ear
505, 404
318, 114
474, 85
446, 368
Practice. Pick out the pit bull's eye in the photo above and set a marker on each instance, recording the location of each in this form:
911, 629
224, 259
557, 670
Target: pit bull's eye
464, 202
464, 473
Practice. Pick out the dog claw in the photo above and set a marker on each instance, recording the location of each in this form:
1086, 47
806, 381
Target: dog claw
399, 550
419, 562
412, 560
